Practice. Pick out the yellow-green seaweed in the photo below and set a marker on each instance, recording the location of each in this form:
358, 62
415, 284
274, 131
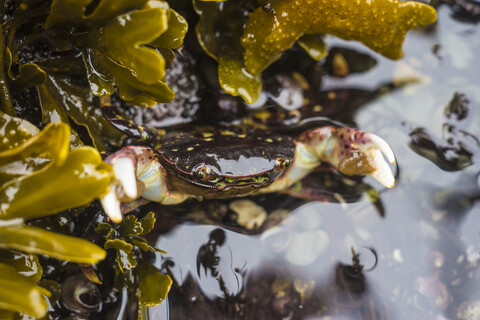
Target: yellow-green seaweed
219, 32
14, 131
137, 70
154, 286
314, 45
72, 12
380, 24
26, 264
121, 42
123, 236
173, 37
21, 294
62, 100
52, 143
77, 182
37, 240
235, 79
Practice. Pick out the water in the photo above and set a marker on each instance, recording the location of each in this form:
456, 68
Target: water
423, 253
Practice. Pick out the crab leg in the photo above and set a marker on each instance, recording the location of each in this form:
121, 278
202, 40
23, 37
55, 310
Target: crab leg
137, 174
350, 151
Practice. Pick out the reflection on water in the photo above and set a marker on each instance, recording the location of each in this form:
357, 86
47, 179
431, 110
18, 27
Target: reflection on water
426, 247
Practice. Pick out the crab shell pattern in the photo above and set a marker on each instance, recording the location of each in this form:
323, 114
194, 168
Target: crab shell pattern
207, 162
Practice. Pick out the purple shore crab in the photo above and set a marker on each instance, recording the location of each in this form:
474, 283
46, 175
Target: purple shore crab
223, 162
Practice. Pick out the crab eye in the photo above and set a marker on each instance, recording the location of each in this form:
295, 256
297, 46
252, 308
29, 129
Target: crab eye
203, 173
282, 163
200, 175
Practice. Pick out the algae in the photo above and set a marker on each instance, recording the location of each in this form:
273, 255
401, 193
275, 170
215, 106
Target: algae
379, 24
266, 31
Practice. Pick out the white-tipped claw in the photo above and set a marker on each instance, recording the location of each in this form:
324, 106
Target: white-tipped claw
383, 172
111, 205
124, 171
383, 146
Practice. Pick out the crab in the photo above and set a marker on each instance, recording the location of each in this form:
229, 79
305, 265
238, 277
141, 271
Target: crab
207, 162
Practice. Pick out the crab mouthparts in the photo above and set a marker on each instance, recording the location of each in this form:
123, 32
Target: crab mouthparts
226, 183
258, 181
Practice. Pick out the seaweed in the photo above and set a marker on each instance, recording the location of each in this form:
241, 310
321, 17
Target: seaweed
246, 38
13, 290
152, 286
380, 24
220, 31
125, 236
59, 56
40, 176
119, 45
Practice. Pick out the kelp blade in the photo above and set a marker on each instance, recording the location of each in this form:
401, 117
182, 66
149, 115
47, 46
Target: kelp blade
52, 143
37, 240
154, 286
82, 178
380, 24
20, 294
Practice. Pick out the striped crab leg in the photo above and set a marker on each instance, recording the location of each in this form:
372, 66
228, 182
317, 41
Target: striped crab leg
350, 151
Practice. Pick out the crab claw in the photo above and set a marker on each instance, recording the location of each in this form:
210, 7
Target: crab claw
124, 170
361, 153
111, 205
350, 151
124, 186
137, 173
382, 172
383, 146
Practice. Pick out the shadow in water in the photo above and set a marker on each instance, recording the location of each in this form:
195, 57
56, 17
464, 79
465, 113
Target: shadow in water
274, 294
